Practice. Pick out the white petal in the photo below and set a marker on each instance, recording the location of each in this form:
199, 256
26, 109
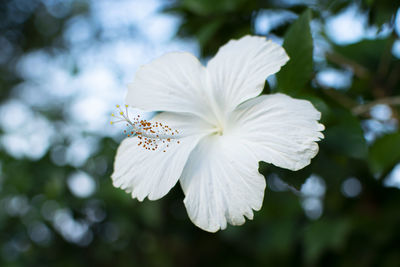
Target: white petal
239, 69
221, 183
283, 130
173, 82
154, 173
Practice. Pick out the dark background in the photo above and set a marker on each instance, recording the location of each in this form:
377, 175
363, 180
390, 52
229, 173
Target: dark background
64, 63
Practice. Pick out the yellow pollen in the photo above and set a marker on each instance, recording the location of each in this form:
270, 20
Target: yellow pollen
151, 136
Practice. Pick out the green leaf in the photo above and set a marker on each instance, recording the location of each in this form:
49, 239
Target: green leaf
382, 11
205, 34
207, 7
325, 235
299, 46
346, 136
385, 153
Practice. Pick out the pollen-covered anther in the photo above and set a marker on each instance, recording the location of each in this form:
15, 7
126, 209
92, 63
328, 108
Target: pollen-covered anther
151, 136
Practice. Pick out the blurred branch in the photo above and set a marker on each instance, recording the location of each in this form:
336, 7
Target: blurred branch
358, 70
361, 109
393, 77
384, 64
340, 98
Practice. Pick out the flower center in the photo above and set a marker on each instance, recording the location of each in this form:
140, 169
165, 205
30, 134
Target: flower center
219, 130
150, 135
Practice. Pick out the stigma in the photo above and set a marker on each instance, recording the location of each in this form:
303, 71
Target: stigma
151, 136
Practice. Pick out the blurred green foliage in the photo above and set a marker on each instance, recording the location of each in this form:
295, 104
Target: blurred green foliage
361, 230
298, 44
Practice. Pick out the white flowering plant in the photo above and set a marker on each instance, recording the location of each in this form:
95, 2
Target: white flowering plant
213, 129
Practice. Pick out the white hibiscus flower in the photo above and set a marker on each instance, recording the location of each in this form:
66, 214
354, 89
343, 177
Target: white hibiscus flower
213, 130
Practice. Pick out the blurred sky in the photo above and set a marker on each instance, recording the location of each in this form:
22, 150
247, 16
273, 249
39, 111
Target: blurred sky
104, 68
89, 78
